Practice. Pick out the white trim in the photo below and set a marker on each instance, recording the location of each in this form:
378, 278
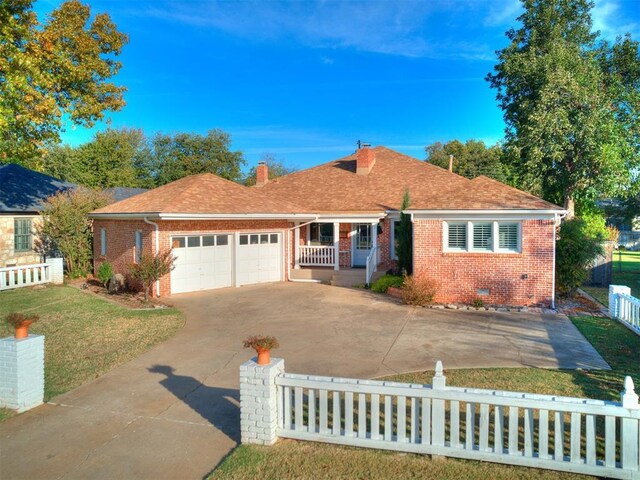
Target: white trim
206, 216
361, 218
497, 212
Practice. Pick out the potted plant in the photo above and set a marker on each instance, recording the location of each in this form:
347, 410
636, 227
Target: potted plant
262, 346
21, 323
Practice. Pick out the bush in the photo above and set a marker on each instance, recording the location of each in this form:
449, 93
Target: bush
105, 272
420, 291
383, 283
575, 251
478, 303
151, 268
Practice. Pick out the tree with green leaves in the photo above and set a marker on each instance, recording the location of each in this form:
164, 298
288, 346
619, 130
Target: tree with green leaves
176, 156
561, 94
65, 227
276, 168
404, 246
59, 67
471, 159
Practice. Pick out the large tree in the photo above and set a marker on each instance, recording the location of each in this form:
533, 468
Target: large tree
48, 70
176, 156
561, 104
276, 168
471, 158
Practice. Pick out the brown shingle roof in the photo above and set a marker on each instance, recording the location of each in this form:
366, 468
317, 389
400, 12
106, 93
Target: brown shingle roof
203, 193
335, 187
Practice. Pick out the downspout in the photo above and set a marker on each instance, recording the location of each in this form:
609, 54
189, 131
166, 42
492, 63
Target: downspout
556, 223
302, 280
157, 242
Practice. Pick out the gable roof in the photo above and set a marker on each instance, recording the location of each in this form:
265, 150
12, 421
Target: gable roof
204, 193
335, 187
22, 190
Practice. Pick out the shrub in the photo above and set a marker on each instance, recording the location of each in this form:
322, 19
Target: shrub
575, 251
151, 268
383, 283
418, 291
105, 272
478, 303
16, 319
258, 342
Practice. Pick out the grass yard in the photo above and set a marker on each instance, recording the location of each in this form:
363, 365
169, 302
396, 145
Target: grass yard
626, 271
85, 336
291, 459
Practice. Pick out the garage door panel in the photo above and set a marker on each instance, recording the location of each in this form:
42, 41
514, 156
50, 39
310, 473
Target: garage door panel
259, 258
203, 264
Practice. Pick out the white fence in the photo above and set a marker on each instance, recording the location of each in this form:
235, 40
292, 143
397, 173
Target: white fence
630, 240
624, 307
28, 275
316, 255
372, 264
568, 434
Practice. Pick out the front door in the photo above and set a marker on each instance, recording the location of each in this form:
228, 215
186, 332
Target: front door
362, 242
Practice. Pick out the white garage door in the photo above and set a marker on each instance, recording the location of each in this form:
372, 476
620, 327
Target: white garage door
203, 262
259, 258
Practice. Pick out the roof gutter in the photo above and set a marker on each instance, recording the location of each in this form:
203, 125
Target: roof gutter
157, 249
486, 211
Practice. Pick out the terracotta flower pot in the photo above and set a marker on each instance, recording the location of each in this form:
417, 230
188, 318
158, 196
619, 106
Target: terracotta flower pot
264, 356
22, 330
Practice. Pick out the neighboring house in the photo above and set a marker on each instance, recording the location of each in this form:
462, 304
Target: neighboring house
477, 238
21, 193
122, 193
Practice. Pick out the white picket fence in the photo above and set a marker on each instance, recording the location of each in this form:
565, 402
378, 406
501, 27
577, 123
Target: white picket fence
372, 264
624, 308
29, 275
568, 434
316, 255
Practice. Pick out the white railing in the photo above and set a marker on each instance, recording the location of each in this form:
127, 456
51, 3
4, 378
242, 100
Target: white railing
24, 275
372, 264
624, 308
316, 255
586, 436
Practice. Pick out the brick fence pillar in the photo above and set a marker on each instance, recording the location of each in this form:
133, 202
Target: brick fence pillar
614, 290
22, 372
258, 401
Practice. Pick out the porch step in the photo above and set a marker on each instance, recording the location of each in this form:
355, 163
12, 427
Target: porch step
351, 278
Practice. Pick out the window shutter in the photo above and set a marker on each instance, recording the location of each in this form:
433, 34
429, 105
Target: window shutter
482, 236
508, 236
458, 236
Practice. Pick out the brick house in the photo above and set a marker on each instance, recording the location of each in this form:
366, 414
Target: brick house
21, 192
477, 238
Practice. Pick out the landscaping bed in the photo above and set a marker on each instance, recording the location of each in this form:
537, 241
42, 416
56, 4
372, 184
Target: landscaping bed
291, 459
85, 336
128, 298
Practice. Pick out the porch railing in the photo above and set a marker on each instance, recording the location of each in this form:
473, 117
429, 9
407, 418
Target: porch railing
316, 255
624, 308
372, 264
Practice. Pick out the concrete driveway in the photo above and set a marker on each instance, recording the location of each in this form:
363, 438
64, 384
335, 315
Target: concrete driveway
173, 412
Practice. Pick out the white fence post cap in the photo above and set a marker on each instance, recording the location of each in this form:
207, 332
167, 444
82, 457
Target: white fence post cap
439, 380
629, 396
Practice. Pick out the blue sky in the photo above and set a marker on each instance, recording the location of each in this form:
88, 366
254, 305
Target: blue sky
306, 80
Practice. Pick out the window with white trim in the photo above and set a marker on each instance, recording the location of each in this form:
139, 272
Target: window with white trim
103, 241
483, 236
138, 246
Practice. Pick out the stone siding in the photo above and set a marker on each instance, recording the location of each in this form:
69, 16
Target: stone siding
8, 255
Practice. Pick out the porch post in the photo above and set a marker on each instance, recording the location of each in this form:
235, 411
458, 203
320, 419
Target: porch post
336, 245
296, 246
374, 245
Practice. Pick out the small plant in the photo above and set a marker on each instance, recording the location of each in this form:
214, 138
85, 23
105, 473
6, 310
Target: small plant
105, 272
16, 319
478, 303
383, 283
418, 291
152, 268
258, 342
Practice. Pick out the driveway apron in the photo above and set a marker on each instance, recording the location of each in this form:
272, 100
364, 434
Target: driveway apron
174, 411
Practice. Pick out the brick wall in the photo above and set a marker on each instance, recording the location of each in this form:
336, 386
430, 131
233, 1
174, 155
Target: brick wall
460, 275
121, 239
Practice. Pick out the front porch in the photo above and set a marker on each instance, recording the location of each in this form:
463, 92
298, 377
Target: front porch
352, 252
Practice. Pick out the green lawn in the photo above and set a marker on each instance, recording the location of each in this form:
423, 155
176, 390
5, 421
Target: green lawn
85, 336
291, 459
626, 271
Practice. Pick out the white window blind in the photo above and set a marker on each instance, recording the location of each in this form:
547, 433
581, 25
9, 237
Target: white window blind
508, 236
458, 236
482, 236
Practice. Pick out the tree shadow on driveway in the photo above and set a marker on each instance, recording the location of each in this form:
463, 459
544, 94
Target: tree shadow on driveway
218, 406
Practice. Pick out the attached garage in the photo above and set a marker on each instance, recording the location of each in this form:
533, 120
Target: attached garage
205, 262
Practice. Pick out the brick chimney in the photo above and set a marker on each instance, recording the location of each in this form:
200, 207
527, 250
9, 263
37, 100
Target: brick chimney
262, 174
365, 159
